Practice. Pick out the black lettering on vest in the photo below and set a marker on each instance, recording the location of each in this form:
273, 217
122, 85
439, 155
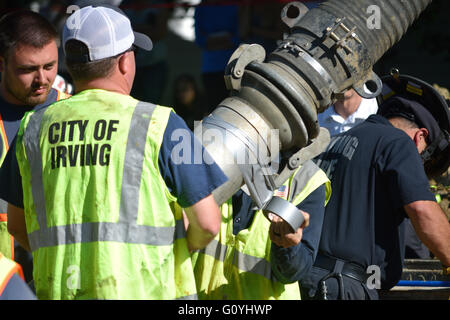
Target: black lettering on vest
83, 125
52, 157
52, 136
73, 154
105, 152
82, 154
72, 128
61, 153
100, 130
63, 131
91, 154
111, 128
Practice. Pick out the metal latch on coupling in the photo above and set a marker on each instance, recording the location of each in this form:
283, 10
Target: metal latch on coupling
245, 54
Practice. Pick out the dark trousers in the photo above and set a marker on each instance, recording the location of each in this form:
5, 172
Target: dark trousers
352, 289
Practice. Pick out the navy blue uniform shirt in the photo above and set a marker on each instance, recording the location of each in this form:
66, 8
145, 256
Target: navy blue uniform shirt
12, 114
375, 169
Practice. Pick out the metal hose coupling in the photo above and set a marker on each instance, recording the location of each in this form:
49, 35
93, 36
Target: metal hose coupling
271, 113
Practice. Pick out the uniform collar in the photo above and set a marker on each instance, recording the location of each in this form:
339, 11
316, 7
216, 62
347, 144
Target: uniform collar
376, 118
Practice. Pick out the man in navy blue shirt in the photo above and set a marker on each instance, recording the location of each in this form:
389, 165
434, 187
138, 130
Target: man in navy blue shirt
378, 181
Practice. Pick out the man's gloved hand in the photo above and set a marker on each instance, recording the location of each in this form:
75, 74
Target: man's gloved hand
281, 233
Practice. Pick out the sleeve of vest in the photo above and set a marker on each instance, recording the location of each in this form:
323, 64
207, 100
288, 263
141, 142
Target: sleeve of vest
294, 263
11, 181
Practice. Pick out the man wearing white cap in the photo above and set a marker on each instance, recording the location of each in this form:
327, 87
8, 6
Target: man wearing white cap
102, 192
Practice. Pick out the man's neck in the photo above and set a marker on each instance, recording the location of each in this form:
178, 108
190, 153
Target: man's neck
8, 97
345, 108
108, 84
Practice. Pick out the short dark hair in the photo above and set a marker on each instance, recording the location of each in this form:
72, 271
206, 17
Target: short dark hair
86, 71
25, 27
405, 123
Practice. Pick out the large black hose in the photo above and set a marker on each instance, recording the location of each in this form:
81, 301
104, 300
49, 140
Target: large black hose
396, 16
346, 39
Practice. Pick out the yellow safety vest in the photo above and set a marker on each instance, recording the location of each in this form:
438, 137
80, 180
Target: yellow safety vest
236, 267
100, 220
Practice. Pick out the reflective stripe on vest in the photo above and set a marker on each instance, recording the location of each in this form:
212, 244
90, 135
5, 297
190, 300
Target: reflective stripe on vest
7, 269
3, 141
243, 262
301, 185
126, 229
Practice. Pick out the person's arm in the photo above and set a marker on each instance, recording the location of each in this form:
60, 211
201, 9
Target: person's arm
408, 182
17, 227
191, 183
204, 223
294, 263
432, 227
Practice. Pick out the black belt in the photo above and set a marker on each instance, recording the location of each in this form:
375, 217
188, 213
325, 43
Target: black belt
349, 269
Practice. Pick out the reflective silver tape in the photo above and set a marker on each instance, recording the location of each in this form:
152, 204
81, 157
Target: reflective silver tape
33, 151
242, 261
105, 231
3, 206
134, 161
216, 250
252, 264
286, 210
301, 179
189, 297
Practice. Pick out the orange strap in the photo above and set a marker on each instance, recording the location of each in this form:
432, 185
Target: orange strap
3, 135
62, 95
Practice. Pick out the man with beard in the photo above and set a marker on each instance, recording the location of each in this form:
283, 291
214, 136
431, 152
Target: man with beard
28, 66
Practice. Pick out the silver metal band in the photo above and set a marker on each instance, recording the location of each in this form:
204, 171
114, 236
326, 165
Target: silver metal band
286, 210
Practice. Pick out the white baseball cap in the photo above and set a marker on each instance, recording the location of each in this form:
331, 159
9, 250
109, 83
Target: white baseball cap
106, 32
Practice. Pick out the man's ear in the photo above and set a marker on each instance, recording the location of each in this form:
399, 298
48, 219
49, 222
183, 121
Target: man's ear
422, 132
420, 139
125, 63
122, 64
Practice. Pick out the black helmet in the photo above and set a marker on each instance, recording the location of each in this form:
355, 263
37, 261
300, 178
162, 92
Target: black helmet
397, 89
